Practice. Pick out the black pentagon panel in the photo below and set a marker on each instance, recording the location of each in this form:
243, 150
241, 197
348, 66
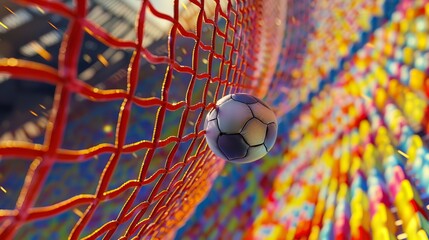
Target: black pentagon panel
223, 100
233, 146
253, 154
212, 135
244, 98
271, 135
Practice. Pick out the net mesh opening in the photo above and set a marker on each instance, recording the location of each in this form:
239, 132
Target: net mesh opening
209, 49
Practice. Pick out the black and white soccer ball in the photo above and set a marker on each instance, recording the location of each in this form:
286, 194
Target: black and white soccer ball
241, 128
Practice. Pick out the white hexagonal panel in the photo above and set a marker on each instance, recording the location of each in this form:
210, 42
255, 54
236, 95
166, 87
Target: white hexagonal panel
270, 136
212, 115
212, 134
254, 132
263, 113
232, 116
223, 99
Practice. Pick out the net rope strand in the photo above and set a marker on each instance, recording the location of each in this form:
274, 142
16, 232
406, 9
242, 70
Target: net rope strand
40, 168
188, 100
165, 207
123, 119
133, 226
159, 122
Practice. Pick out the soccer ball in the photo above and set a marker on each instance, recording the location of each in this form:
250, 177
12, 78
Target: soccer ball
241, 128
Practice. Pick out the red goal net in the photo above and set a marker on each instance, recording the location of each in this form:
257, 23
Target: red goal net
149, 164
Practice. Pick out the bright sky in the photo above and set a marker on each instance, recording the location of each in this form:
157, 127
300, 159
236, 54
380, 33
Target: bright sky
163, 6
